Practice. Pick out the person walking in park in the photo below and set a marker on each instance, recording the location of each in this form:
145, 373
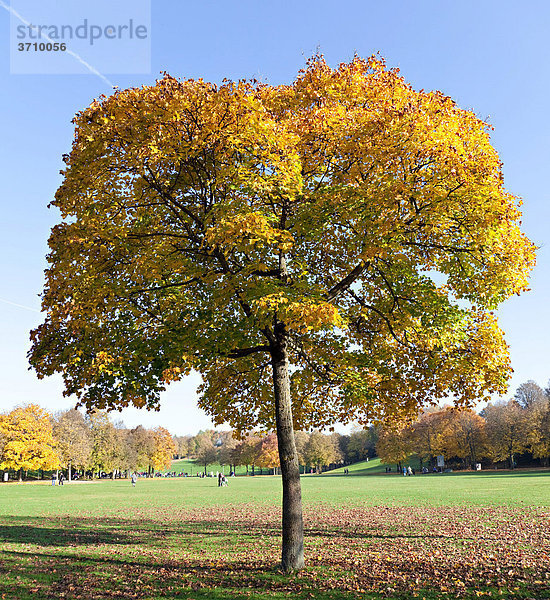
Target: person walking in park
61, 478
53, 478
134, 479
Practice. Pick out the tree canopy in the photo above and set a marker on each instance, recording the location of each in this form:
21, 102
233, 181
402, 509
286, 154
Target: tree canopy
194, 215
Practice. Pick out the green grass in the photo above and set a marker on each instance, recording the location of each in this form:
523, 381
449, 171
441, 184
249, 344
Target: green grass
184, 465
368, 535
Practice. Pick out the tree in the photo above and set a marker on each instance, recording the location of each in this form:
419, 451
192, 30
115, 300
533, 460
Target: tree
248, 451
269, 454
321, 450
528, 394
140, 447
362, 444
539, 429
107, 447
506, 426
227, 452
28, 440
467, 429
282, 241
427, 433
182, 445
164, 449
395, 444
73, 439
301, 439
206, 452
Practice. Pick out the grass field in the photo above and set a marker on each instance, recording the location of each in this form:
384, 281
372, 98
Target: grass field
368, 535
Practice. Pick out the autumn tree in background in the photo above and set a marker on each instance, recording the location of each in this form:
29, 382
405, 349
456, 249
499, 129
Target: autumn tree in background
320, 450
182, 445
227, 453
248, 451
538, 435
426, 434
164, 449
506, 425
73, 440
280, 240
206, 452
469, 438
362, 444
28, 442
269, 453
528, 394
107, 443
395, 444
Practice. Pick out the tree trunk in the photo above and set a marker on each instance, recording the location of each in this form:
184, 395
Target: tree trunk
293, 528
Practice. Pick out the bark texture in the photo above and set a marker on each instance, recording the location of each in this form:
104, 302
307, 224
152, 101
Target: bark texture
293, 527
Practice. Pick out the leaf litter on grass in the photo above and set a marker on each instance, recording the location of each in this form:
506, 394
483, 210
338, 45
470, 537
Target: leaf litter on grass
353, 552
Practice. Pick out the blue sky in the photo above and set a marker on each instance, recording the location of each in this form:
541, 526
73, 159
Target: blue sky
492, 57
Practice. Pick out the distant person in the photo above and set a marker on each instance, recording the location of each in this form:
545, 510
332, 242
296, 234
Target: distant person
53, 478
61, 479
404, 471
134, 479
409, 470
223, 481
220, 476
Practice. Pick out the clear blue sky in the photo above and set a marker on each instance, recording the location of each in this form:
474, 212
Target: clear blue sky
492, 57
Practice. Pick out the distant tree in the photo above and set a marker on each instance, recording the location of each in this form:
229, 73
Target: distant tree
73, 440
463, 436
426, 434
343, 444
249, 450
107, 445
182, 444
362, 444
269, 453
539, 430
507, 425
321, 450
395, 445
301, 439
207, 453
227, 453
163, 449
529, 393
140, 447
28, 440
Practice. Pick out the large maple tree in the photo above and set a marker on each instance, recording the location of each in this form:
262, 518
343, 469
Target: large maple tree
325, 251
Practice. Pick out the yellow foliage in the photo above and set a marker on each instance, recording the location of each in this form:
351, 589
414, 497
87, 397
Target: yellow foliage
28, 439
209, 227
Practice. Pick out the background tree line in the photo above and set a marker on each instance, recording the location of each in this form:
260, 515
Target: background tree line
91, 445
505, 433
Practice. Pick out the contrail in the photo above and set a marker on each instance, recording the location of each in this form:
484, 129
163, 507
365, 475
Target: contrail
20, 305
74, 54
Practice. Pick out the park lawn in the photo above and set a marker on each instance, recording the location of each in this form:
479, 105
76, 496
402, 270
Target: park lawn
376, 536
